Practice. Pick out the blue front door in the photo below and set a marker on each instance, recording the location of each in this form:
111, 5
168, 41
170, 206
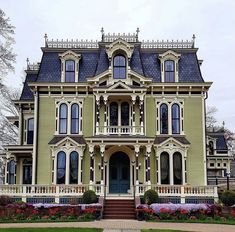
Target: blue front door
119, 173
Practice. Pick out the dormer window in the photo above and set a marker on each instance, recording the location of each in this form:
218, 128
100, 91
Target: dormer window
69, 71
119, 67
169, 66
169, 71
69, 66
211, 148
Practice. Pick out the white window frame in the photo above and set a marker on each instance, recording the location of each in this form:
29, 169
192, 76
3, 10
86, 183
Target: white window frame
26, 118
169, 55
69, 105
169, 103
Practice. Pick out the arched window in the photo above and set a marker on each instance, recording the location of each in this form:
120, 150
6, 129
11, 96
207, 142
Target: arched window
27, 171
177, 168
119, 67
74, 119
61, 167
169, 67
73, 177
69, 71
113, 114
30, 128
11, 172
63, 119
211, 148
175, 117
165, 171
125, 114
164, 119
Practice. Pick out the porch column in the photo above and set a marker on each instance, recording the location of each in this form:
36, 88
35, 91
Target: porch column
183, 169
137, 150
148, 153
97, 111
141, 114
105, 98
91, 152
133, 98
102, 150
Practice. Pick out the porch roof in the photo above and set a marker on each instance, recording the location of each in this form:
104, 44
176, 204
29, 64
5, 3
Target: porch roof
161, 139
78, 139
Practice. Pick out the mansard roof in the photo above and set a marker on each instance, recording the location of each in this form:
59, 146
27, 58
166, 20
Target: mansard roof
27, 94
220, 140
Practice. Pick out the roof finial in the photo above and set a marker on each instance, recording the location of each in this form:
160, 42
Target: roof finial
27, 62
102, 34
137, 34
45, 37
193, 38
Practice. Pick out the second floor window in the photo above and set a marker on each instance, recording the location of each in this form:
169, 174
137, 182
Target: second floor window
63, 118
113, 114
175, 112
119, 67
74, 119
163, 119
169, 67
30, 128
69, 71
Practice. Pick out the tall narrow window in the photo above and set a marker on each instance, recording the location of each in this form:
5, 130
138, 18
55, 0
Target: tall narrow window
125, 114
30, 129
73, 178
74, 118
63, 119
61, 167
69, 71
164, 119
11, 172
169, 67
27, 171
119, 67
175, 117
211, 148
113, 114
165, 171
177, 168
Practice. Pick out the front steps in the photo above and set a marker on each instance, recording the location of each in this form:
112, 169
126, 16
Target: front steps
119, 209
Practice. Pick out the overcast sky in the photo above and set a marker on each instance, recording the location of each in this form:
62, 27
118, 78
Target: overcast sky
212, 21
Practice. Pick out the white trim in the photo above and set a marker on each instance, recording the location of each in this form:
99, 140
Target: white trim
204, 141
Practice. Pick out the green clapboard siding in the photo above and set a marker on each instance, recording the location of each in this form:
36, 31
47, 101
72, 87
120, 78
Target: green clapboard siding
150, 115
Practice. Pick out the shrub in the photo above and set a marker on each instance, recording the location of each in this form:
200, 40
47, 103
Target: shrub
89, 197
5, 200
150, 196
228, 198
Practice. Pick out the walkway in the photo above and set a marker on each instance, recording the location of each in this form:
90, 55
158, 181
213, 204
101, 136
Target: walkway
130, 225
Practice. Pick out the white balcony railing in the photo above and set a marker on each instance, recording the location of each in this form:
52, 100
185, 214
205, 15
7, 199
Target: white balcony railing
119, 130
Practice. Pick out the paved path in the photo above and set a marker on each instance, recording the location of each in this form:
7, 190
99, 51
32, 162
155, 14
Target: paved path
130, 225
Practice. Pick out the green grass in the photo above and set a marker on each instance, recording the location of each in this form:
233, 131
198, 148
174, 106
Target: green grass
50, 230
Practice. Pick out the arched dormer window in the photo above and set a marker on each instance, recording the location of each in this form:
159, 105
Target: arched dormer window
163, 119
69, 71
63, 118
175, 117
119, 67
169, 67
74, 119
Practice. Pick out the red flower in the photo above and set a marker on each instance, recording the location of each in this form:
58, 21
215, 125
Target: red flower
184, 211
164, 210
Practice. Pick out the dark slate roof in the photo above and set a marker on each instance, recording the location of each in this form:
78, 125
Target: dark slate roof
26, 92
136, 63
77, 139
220, 140
103, 62
161, 139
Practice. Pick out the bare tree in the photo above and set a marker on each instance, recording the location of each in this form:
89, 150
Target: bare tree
210, 117
7, 56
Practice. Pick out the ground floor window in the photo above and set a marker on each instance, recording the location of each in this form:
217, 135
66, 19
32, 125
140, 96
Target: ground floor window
11, 172
27, 171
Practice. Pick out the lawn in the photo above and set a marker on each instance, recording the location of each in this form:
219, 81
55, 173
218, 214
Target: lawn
50, 230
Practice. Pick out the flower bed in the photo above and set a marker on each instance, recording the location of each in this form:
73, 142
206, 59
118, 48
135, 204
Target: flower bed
32, 212
177, 211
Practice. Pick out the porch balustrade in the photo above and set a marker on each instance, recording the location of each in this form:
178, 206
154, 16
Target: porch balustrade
119, 130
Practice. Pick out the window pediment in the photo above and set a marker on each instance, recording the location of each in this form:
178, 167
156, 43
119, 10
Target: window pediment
119, 45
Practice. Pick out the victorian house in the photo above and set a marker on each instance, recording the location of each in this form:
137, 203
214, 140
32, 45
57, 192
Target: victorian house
118, 116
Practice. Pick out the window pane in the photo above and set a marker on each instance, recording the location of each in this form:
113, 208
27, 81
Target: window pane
164, 160
177, 167
119, 67
69, 77
169, 77
11, 175
61, 165
164, 119
30, 124
119, 61
113, 114
70, 65
74, 119
175, 119
169, 71
125, 114
63, 119
73, 168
